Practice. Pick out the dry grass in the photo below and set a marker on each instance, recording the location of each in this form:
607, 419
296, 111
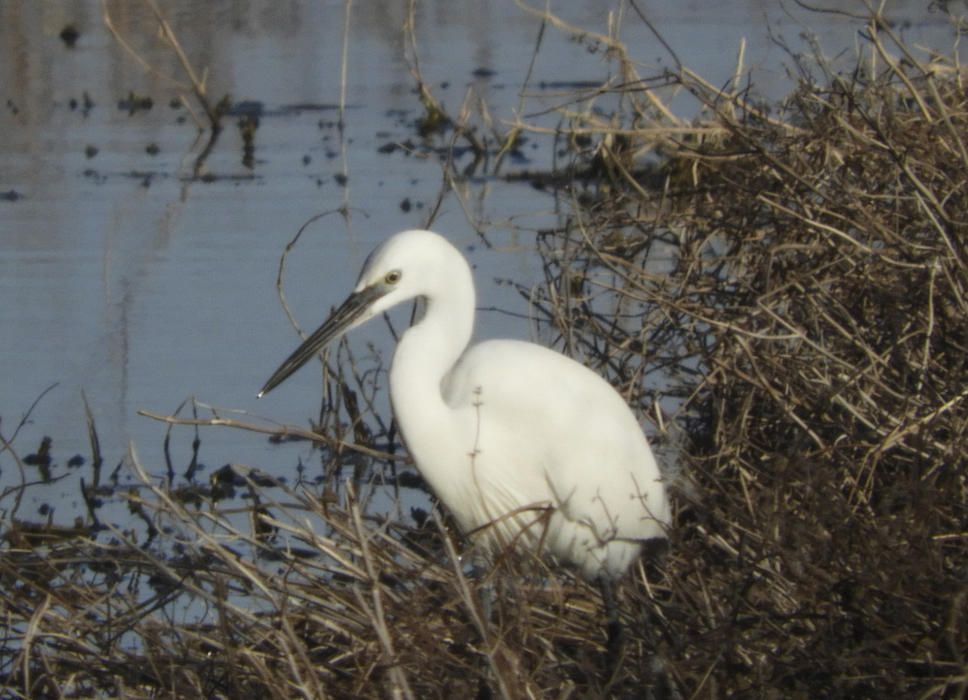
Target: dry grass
808, 322
789, 287
304, 598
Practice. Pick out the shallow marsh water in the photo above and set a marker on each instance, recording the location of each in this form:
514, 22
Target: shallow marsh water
124, 277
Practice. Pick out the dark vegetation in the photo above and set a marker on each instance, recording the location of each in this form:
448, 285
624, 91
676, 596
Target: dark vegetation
783, 290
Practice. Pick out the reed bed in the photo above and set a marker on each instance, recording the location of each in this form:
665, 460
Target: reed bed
781, 290
790, 285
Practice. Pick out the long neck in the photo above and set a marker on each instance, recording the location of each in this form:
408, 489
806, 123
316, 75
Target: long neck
424, 355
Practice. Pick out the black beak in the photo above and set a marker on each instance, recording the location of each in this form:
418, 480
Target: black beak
338, 323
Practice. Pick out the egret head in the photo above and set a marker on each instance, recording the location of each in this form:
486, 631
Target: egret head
404, 267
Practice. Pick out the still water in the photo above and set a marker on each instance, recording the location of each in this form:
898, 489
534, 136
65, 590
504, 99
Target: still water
124, 277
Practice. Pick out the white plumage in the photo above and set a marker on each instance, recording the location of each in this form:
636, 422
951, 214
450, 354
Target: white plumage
524, 446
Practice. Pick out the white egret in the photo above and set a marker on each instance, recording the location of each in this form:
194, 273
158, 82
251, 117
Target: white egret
523, 445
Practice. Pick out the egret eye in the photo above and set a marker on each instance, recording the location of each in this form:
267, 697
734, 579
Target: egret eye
393, 277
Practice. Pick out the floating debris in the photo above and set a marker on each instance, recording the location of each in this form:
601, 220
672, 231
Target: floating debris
135, 103
69, 35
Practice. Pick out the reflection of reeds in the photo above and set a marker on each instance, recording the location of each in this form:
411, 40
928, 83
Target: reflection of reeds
788, 285
196, 86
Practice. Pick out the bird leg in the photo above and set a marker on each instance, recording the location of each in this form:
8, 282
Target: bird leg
613, 627
487, 597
